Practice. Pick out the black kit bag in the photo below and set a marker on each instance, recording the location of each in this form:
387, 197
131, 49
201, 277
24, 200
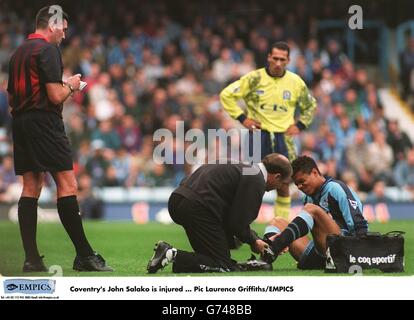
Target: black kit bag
350, 254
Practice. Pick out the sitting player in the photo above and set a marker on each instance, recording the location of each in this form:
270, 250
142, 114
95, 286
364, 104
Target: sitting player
331, 207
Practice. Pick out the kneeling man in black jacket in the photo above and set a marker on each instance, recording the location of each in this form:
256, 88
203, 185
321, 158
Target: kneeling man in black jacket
215, 205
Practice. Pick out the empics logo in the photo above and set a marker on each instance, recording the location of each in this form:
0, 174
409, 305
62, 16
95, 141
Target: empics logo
11, 286
29, 286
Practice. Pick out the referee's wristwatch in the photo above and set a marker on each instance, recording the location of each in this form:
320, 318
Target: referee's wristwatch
70, 87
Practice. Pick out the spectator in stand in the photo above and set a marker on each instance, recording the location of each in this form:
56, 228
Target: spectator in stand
4, 105
90, 206
223, 68
378, 193
357, 156
380, 158
333, 56
110, 179
6, 50
331, 150
98, 163
107, 135
352, 106
406, 69
345, 132
122, 164
129, 134
77, 132
7, 171
404, 172
398, 140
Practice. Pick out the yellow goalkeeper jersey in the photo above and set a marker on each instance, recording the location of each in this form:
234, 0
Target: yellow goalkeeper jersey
270, 100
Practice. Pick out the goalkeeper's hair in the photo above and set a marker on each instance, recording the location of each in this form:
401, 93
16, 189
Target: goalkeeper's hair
304, 164
281, 45
43, 16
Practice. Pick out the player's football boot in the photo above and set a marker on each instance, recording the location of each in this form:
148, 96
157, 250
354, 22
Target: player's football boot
164, 253
268, 255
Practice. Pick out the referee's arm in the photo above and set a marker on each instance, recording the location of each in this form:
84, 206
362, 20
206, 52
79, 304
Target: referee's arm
50, 66
58, 92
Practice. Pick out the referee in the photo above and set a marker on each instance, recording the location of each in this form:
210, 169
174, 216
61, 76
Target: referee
272, 95
36, 96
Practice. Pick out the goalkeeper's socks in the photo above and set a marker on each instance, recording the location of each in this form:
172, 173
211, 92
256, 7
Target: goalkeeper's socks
299, 227
282, 207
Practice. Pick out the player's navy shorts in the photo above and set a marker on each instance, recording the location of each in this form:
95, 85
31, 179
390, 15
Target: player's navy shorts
274, 142
40, 143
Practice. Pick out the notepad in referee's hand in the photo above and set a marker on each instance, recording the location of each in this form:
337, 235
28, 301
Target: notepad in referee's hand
82, 85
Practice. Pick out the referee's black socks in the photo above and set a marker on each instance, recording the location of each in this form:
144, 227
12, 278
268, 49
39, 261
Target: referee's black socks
68, 210
27, 213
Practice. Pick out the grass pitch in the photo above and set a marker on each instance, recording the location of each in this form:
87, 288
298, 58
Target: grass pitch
127, 247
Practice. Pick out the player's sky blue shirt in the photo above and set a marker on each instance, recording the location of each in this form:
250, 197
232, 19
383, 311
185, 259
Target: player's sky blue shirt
342, 203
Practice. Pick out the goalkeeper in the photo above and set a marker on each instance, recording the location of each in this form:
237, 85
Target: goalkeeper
272, 95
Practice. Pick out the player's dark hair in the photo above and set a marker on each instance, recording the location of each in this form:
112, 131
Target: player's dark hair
304, 164
275, 163
43, 17
281, 45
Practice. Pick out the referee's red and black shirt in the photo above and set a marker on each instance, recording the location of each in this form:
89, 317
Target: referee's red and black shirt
33, 64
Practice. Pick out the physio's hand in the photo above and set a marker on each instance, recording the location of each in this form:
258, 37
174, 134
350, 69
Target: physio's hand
251, 124
259, 246
285, 249
293, 130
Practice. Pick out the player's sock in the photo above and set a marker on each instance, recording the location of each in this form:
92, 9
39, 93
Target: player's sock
27, 213
270, 231
68, 210
299, 227
282, 207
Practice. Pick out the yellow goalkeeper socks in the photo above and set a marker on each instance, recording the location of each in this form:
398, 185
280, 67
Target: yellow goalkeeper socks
282, 207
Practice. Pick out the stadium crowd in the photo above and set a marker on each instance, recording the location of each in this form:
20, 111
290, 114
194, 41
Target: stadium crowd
149, 68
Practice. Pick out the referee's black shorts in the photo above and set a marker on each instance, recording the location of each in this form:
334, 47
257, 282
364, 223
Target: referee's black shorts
40, 143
